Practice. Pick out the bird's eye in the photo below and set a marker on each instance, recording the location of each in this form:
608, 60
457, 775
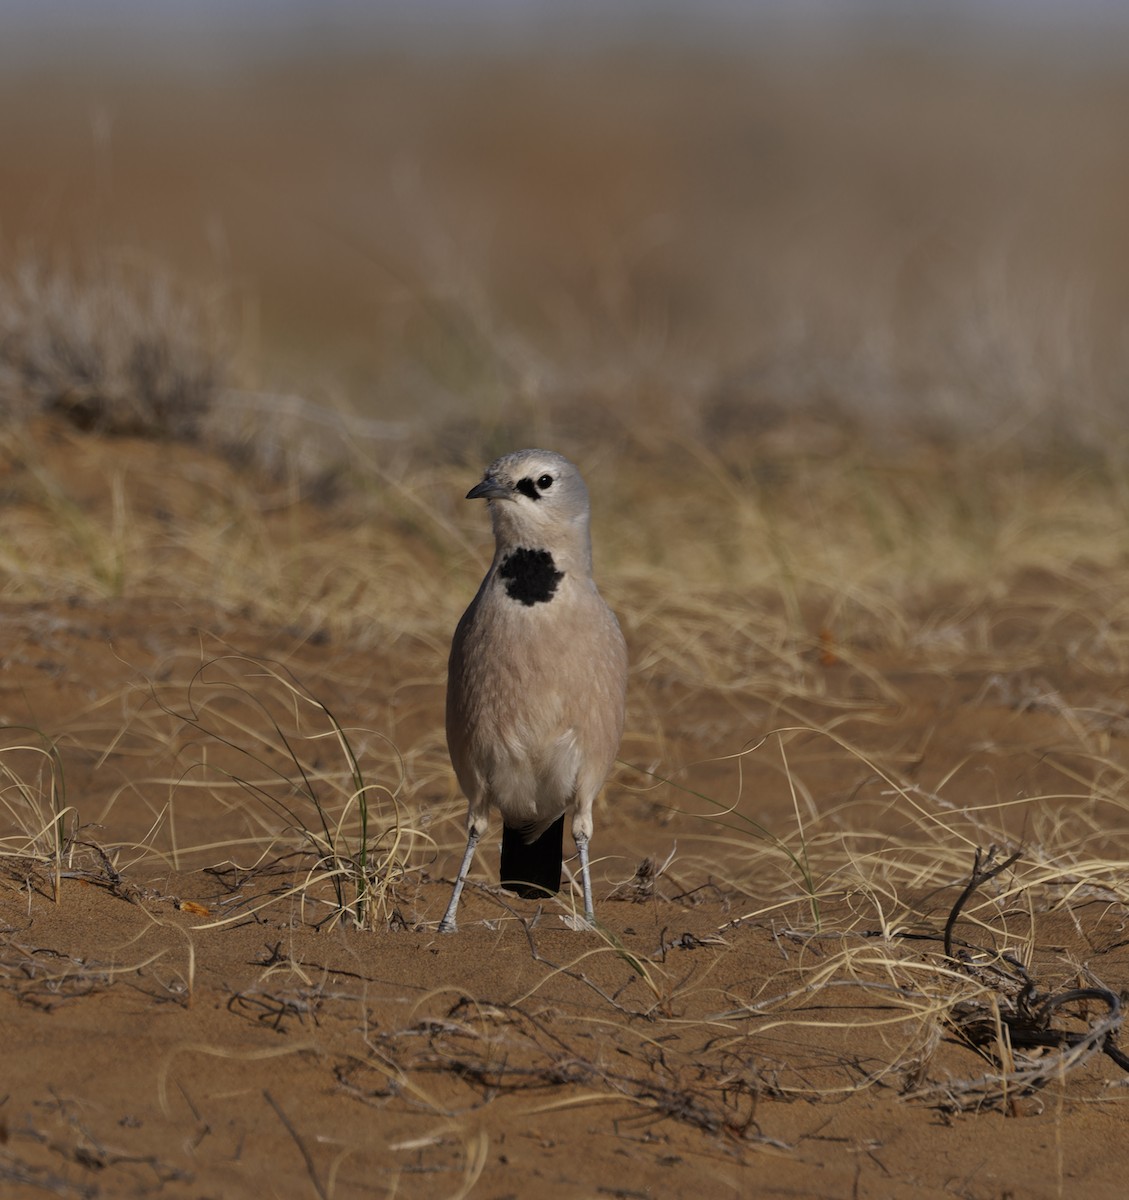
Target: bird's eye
545, 482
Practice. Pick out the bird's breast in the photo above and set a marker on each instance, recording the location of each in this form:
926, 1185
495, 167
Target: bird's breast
536, 660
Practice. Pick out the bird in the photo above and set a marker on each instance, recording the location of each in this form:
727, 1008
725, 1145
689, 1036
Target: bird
536, 679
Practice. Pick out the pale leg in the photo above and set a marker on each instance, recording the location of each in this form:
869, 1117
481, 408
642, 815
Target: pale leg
585, 877
448, 924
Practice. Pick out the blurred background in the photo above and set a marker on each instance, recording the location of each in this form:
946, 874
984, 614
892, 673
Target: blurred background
754, 219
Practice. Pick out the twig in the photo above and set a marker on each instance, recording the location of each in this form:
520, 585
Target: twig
1026, 1017
983, 869
299, 1143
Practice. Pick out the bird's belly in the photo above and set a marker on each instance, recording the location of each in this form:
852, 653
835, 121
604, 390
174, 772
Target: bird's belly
531, 779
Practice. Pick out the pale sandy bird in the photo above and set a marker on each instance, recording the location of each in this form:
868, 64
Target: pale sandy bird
536, 678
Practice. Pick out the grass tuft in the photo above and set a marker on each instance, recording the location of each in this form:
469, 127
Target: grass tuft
33, 799
254, 729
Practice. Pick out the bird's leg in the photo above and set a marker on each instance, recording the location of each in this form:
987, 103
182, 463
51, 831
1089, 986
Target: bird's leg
585, 877
448, 924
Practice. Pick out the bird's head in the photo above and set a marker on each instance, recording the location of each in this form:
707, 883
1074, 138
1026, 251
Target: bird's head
536, 498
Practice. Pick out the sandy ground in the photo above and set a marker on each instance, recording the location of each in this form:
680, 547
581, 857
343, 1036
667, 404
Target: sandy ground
188, 1018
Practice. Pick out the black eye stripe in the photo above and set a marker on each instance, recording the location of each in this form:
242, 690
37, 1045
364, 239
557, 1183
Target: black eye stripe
533, 490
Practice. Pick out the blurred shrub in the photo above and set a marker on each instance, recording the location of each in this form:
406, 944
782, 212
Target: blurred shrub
117, 347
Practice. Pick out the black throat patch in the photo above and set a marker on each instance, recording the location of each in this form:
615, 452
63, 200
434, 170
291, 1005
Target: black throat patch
531, 576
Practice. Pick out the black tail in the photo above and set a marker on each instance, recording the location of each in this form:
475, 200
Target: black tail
533, 870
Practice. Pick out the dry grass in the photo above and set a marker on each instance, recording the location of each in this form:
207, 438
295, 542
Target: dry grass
810, 817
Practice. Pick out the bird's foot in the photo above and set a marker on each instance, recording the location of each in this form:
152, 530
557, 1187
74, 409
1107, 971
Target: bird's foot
577, 923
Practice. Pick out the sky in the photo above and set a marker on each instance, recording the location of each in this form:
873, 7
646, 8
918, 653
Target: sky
31, 29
